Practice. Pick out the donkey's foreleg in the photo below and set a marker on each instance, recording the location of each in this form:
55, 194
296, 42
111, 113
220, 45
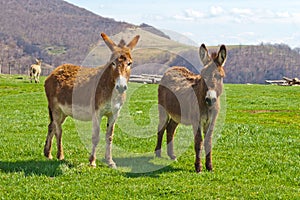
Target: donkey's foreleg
198, 143
109, 140
208, 130
95, 140
208, 149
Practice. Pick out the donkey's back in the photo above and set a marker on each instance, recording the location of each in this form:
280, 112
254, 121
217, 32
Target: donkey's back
177, 89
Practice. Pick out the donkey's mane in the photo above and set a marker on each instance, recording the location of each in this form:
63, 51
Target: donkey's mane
213, 55
122, 43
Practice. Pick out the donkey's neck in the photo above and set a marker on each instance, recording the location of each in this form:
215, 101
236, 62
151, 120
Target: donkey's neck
105, 86
105, 79
200, 89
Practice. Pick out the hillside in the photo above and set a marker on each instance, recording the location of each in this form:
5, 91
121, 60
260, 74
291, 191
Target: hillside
257, 63
153, 54
54, 31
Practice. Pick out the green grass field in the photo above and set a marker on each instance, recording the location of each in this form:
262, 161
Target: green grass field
256, 152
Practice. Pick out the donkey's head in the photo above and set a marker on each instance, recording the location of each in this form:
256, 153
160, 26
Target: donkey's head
120, 62
213, 72
38, 61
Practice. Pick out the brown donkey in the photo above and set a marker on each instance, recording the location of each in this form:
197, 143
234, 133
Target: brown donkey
191, 99
88, 94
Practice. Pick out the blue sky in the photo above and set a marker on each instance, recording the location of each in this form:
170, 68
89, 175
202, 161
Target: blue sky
210, 22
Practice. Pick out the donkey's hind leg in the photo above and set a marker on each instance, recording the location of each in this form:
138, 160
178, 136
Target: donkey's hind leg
37, 78
30, 76
58, 134
163, 121
95, 140
51, 131
54, 128
48, 143
171, 127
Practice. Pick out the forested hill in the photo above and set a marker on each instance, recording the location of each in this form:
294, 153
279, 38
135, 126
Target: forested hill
59, 32
257, 63
53, 30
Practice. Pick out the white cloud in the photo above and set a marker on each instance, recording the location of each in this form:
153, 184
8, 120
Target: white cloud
283, 14
182, 17
242, 12
216, 10
101, 6
191, 13
188, 34
151, 17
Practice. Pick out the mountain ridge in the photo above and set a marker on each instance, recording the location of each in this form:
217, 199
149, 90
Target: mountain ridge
59, 32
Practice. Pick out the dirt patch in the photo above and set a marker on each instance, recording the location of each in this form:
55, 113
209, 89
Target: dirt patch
266, 111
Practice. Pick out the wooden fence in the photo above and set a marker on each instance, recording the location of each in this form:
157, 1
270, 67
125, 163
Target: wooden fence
145, 78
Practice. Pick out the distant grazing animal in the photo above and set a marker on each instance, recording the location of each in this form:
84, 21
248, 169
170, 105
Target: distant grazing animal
35, 71
191, 99
99, 92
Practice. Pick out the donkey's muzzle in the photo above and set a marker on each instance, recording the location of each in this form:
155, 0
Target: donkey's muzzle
210, 101
211, 97
121, 84
121, 89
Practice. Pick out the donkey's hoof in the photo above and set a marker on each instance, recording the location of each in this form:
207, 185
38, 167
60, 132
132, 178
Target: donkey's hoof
93, 164
198, 168
158, 153
112, 165
173, 157
209, 167
48, 155
60, 157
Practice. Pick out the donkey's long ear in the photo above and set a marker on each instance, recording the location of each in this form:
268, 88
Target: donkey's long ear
222, 55
203, 53
111, 45
133, 42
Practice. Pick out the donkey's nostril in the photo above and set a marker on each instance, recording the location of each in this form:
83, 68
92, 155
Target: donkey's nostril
213, 100
117, 87
210, 101
125, 87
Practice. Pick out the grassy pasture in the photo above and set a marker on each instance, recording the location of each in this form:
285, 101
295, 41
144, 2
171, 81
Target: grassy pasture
256, 153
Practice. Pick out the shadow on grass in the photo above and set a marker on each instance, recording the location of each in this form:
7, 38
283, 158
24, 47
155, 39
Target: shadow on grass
49, 168
144, 166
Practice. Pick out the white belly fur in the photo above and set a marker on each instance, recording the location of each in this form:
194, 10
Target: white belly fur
85, 113
77, 112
